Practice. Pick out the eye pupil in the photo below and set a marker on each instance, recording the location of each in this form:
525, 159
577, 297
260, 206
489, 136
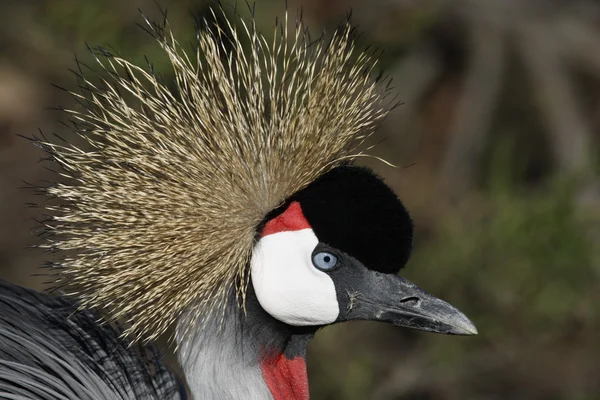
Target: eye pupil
324, 260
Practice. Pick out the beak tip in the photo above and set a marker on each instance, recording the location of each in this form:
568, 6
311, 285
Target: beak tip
472, 331
465, 327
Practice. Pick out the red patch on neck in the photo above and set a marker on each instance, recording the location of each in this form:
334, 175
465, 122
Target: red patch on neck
291, 219
286, 379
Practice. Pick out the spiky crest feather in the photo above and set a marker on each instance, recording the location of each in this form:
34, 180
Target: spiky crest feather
161, 205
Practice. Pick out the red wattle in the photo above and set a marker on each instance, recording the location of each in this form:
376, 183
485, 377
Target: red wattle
285, 378
291, 219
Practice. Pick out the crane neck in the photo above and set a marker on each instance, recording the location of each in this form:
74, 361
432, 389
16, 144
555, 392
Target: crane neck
247, 355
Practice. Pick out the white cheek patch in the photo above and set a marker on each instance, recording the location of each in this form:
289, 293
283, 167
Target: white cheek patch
287, 284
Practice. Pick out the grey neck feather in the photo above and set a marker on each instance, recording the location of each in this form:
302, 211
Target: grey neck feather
221, 358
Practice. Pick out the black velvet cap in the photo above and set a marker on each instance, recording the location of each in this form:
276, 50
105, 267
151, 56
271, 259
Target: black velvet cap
351, 208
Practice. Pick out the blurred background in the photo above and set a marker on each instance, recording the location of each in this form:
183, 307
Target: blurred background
496, 144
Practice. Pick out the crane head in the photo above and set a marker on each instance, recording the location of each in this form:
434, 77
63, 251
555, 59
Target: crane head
332, 253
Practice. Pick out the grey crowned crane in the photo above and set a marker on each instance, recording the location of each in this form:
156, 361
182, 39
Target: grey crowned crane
226, 206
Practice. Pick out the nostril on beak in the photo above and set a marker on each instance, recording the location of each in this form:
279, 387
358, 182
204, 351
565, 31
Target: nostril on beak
411, 301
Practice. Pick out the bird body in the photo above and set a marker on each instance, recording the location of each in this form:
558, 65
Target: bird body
49, 351
230, 208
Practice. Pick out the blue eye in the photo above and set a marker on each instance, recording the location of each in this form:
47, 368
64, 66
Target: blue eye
325, 260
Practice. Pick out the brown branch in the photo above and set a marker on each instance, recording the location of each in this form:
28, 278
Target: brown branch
412, 78
475, 111
567, 128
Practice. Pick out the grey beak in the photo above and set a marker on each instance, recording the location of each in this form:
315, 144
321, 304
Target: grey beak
393, 299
